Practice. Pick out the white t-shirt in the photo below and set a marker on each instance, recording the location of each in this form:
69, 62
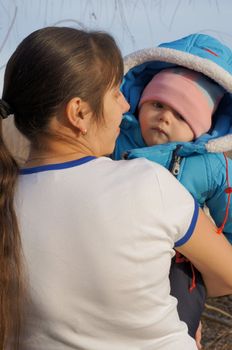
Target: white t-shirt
98, 239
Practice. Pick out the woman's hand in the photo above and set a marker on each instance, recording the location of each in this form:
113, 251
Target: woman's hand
198, 336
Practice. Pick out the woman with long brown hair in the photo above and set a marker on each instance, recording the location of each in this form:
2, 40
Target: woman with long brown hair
93, 232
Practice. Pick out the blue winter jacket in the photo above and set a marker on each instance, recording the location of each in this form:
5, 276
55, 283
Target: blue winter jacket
199, 165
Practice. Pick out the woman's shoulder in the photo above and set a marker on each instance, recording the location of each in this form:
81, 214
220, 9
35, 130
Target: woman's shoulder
140, 165
146, 174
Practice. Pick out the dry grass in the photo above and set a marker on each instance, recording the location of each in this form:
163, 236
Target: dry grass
217, 324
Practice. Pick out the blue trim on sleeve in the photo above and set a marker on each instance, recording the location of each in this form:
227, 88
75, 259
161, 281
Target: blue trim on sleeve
191, 228
57, 166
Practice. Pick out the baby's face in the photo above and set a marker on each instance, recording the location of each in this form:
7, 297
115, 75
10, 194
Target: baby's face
161, 124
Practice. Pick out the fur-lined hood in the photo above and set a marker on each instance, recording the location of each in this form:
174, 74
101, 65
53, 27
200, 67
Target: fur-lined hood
198, 52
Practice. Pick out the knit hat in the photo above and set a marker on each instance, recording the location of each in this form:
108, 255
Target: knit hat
194, 96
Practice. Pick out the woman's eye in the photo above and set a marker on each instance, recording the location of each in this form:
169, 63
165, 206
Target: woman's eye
118, 93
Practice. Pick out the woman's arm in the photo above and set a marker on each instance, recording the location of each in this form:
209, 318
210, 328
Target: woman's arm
211, 254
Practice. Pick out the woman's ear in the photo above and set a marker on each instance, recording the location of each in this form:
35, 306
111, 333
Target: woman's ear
76, 112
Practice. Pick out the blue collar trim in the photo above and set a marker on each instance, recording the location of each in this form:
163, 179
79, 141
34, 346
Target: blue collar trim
70, 164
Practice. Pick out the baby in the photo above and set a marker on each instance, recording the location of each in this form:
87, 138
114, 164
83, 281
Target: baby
176, 107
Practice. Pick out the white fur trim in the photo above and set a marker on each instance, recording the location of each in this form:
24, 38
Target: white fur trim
221, 144
185, 59
188, 60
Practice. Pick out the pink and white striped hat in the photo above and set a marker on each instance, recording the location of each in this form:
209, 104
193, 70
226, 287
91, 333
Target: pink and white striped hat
194, 96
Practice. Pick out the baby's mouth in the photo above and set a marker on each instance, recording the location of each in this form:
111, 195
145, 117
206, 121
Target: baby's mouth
159, 130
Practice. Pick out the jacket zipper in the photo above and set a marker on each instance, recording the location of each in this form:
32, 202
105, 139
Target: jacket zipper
175, 163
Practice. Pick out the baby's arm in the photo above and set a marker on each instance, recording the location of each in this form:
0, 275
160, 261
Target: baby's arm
218, 200
205, 176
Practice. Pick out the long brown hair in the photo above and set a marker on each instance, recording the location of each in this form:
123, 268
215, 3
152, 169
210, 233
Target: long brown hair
11, 282
53, 65
49, 67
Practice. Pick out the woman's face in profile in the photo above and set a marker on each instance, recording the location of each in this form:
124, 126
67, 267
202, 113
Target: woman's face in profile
107, 131
115, 105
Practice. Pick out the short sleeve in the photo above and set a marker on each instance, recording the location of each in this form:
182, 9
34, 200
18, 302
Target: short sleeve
180, 208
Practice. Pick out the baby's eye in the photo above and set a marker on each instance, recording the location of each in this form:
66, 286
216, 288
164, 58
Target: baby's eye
158, 105
179, 116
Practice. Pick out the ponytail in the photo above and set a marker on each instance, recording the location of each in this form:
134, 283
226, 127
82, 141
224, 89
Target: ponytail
11, 280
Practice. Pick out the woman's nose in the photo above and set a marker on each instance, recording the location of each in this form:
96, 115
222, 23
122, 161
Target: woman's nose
125, 104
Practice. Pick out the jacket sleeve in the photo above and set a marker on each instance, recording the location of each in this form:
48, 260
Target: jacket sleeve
205, 178
130, 136
218, 199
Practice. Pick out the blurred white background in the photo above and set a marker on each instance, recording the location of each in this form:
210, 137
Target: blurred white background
135, 24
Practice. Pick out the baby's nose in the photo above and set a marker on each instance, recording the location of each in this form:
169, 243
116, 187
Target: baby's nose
166, 115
